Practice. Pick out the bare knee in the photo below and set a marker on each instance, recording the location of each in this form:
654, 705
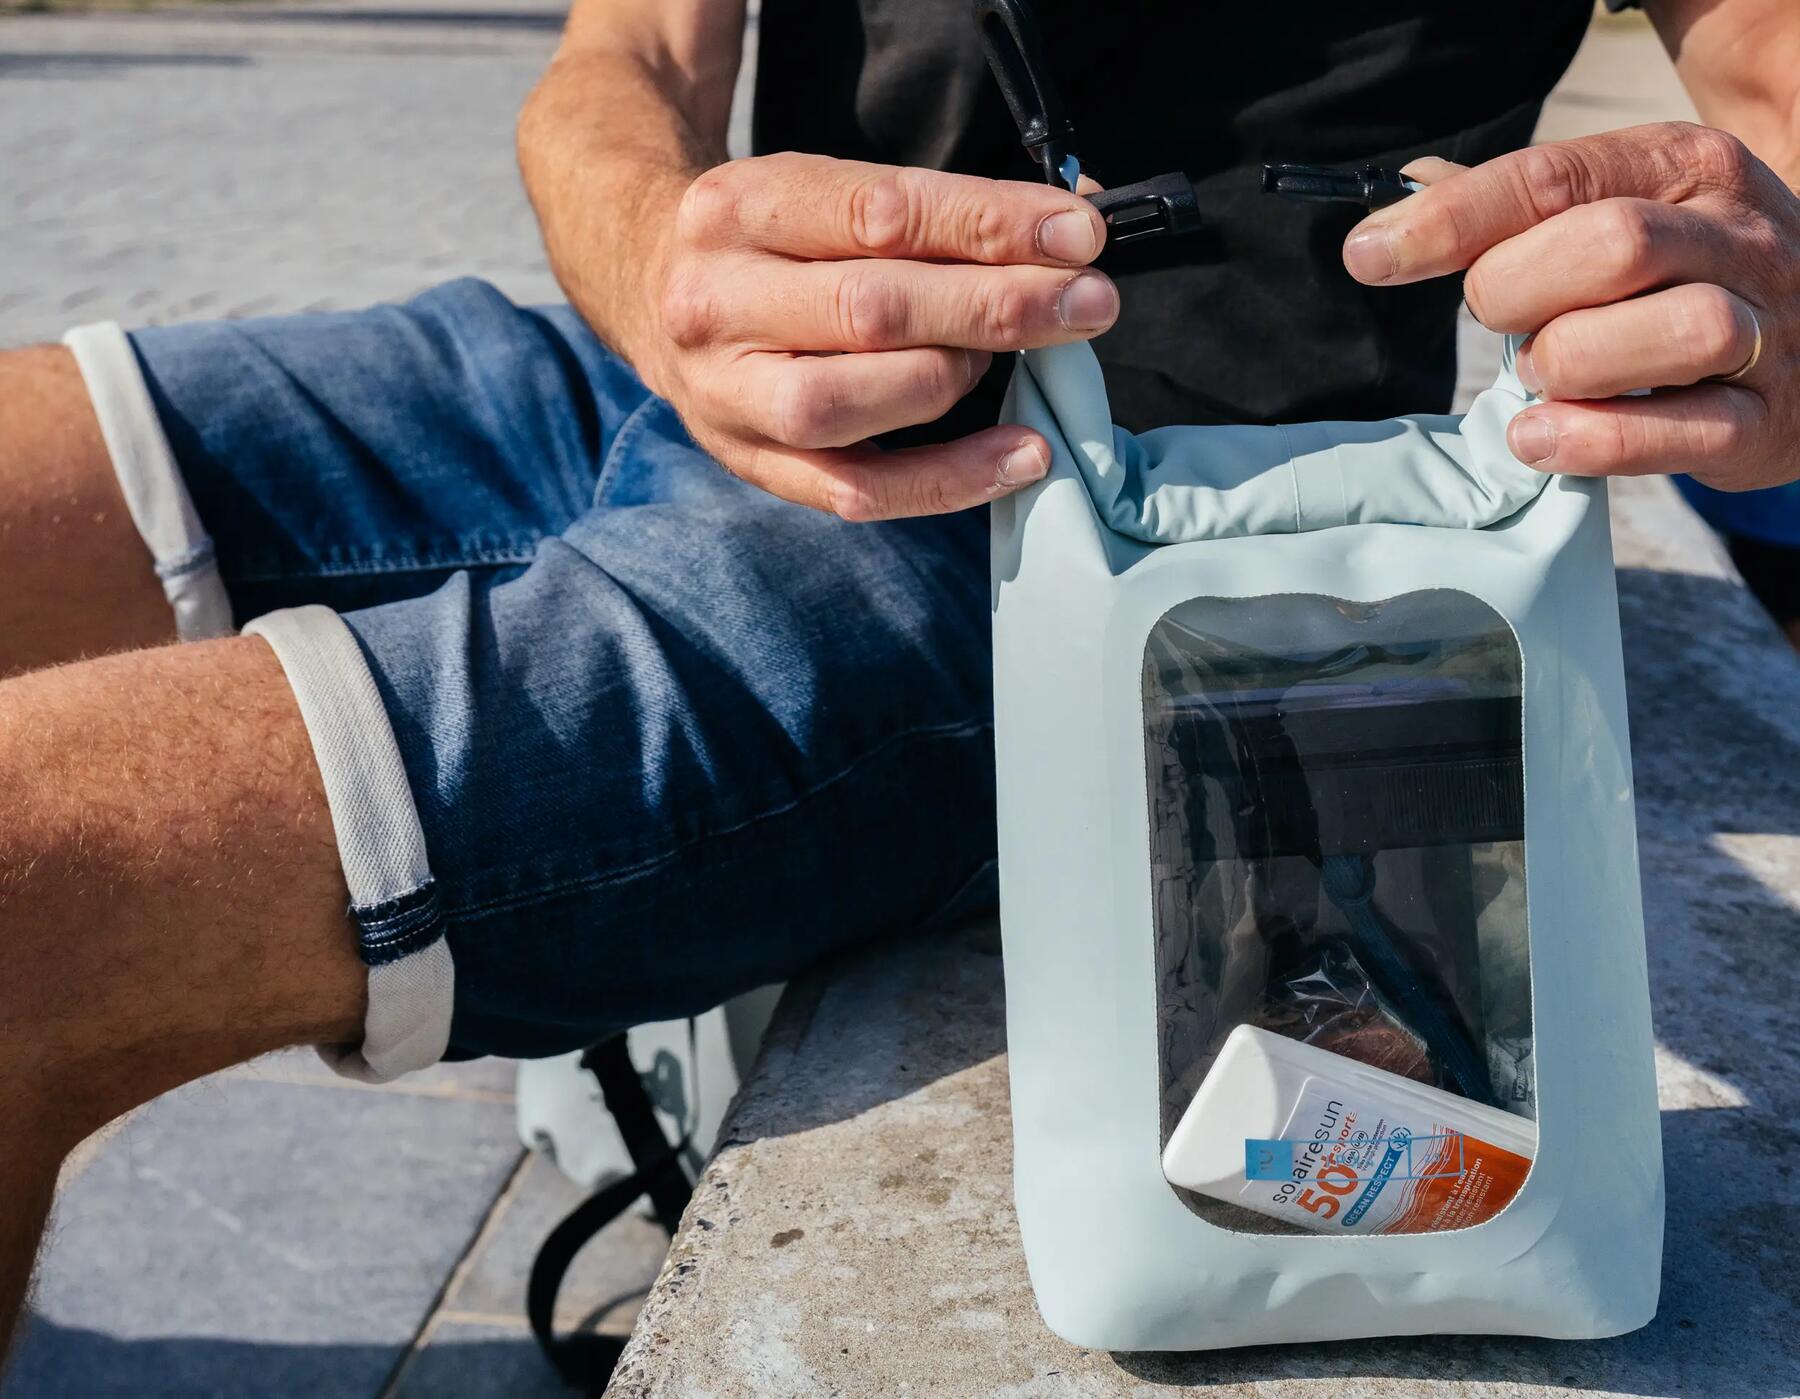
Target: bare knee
170, 895
79, 580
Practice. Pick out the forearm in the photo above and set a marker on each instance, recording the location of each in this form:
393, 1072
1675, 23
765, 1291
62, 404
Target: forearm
621, 122
1740, 61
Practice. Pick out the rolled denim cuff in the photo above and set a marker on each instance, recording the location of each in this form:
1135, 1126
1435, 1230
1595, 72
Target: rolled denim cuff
393, 898
151, 482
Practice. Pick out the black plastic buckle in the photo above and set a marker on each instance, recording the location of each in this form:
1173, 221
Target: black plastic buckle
1371, 186
1149, 209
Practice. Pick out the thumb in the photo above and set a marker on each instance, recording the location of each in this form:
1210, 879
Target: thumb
1429, 169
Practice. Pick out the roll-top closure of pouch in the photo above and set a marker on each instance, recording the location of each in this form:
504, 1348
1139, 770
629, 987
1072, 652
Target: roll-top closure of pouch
1177, 485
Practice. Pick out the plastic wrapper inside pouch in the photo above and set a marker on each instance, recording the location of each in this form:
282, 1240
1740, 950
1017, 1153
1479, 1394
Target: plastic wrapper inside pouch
1330, 1004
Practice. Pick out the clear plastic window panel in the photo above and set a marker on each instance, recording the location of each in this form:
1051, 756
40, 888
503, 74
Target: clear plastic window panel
1337, 842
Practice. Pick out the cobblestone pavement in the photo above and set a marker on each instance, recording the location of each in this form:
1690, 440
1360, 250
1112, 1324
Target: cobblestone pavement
276, 1231
227, 162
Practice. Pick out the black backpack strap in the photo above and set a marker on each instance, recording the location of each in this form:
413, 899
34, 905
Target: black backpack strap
586, 1361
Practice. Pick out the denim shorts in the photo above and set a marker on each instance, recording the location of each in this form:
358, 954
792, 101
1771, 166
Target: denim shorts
607, 735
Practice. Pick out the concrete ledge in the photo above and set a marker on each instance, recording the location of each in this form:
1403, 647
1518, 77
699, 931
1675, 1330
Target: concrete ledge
854, 1234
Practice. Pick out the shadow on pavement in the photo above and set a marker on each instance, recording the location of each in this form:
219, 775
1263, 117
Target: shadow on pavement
57, 1362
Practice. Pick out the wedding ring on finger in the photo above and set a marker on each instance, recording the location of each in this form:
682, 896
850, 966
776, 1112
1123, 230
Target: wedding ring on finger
1756, 348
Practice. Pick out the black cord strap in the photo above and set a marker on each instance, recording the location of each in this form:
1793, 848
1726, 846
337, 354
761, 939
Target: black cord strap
586, 1361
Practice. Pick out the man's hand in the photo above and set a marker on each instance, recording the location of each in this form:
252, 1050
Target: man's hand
808, 305
1661, 257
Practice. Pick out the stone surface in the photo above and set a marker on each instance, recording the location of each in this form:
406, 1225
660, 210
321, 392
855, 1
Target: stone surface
856, 1237
258, 158
230, 161
605, 1283
310, 1227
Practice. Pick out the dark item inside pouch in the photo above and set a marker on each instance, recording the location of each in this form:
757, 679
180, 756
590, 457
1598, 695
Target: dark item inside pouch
1328, 1001
1337, 823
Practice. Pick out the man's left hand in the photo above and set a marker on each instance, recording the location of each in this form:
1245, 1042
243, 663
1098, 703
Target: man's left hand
1661, 257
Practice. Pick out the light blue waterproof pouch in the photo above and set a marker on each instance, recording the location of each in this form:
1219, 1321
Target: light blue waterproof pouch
1326, 995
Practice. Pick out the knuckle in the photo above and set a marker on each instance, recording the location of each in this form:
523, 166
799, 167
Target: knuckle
803, 410
1615, 441
1717, 156
853, 498
930, 495
868, 315
1005, 313
1551, 180
989, 232
709, 207
689, 309
881, 215
1708, 321
1627, 236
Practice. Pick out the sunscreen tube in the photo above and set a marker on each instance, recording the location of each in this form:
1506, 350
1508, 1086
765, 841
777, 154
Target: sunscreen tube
1336, 1146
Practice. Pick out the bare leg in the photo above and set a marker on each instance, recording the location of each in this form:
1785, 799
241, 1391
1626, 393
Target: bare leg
75, 578
170, 899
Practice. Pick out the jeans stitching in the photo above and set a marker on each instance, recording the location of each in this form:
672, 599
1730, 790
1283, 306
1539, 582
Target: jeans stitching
409, 563
401, 909
508, 902
397, 927
380, 954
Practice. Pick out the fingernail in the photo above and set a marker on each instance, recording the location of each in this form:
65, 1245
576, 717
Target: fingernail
1067, 237
1532, 439
1088, 302
1021, 466
1525, 366
1369, 253
1429, 169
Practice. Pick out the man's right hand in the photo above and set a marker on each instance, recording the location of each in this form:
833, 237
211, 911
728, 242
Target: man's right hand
809, 304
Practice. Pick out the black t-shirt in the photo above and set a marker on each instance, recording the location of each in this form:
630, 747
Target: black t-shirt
1254, 319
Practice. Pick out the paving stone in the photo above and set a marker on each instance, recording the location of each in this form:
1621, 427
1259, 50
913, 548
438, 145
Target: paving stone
480, 1343
252, 159
226, 162
478, 1360
604, 1285
254, 1239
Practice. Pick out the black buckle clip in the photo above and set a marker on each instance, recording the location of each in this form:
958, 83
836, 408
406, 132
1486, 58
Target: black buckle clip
1020, 62
1149, 209
1371, 186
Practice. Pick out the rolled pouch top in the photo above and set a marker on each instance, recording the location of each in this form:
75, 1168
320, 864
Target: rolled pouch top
1176, 485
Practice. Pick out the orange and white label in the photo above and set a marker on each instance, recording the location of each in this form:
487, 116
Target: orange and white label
1348, 1166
